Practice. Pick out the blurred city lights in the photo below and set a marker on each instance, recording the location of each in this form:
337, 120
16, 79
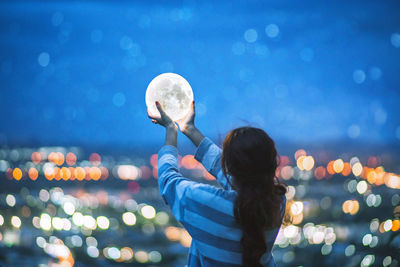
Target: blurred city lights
103, 222
16, 221
148, 212
129, 218
10, 199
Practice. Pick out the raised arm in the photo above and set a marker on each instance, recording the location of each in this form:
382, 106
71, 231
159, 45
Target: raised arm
207, 153
171, 183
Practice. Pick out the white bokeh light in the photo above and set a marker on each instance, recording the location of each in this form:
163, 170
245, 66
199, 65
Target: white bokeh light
69, 208
103, 222
10, 199
129, 218
148, 212
16, 221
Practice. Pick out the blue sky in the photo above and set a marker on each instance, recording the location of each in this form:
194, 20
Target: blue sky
75, 73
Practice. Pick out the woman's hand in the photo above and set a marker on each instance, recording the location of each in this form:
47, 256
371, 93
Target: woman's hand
186, 124
163, 119
188, 128
170, 126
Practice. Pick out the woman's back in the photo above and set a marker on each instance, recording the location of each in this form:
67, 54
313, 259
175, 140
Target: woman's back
210, 220
207, 212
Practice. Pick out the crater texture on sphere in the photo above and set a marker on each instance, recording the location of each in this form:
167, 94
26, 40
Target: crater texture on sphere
173, 92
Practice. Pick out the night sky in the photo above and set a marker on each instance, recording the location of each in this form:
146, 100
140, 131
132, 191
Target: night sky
75, 73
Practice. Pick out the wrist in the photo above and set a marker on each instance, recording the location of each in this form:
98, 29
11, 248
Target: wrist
171, 127
189, 130
171, 135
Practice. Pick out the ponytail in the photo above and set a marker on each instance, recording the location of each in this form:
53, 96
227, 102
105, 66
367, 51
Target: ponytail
256, 210
258, 203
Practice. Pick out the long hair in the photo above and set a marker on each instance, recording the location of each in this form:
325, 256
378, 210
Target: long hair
250, 157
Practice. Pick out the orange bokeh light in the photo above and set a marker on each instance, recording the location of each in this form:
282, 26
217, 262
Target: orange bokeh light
56, 158
154, 160
173, 233
320, 172
189, 162
338, 165
79, 173
70, 159
371, 177
65, 173
51, 157
60, 159
49, 173
36, 157
395, 225
300, 162
155, 172
87, 170
95, 173
33, 173
351, 206
104, 173
186, 239
299, 153
208, 175
95, 159
57, 175
9, 174
329, 168
17, 174
346, 169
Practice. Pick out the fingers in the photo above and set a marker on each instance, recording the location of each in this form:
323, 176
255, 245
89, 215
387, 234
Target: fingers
153, 118
160, 109
193, 107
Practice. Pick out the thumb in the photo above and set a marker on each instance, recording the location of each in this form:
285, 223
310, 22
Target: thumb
160, 109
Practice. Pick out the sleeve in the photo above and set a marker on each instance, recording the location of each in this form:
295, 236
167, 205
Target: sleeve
190, 201
173, 186
209, 154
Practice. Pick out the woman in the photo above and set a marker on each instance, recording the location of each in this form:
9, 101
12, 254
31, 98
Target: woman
235, 225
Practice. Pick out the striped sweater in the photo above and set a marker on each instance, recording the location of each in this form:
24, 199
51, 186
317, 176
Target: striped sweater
206, 211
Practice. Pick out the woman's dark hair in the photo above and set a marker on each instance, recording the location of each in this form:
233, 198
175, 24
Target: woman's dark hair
249, 156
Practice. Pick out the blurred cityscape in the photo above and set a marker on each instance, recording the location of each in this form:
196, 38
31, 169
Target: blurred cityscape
63, 207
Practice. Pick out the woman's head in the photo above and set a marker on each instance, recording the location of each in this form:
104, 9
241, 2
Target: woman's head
249, 156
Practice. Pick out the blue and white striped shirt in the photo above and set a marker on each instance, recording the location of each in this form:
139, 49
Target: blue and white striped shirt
206, 211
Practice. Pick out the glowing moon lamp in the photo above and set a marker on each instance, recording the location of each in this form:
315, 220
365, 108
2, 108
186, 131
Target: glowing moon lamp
174, 94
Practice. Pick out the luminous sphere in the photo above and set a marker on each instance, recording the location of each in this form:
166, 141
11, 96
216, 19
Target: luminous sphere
174, 94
